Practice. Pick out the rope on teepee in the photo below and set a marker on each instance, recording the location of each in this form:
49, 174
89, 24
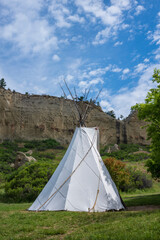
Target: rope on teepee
96, 195
99, 178
92, 142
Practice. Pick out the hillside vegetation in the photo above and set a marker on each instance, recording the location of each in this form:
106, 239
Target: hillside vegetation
25, 183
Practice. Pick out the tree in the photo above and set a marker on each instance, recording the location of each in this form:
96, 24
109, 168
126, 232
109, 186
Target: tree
81, 98
121, 117
2, 83
150, 112
111, 113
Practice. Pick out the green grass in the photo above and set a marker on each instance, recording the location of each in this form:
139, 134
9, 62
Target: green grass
17, 223
142, 200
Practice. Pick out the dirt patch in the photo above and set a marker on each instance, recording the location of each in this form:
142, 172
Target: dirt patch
143, 208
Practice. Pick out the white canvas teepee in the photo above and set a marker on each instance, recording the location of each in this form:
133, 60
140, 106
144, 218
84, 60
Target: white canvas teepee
81, 182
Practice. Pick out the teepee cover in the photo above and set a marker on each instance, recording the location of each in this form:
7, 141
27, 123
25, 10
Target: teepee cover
81, 182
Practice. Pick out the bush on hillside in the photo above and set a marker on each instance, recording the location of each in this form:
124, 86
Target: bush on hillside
9, 149
129, 147
126, 179
126, 152
25, 184
43, 145
118, 172
43, 156
138, 180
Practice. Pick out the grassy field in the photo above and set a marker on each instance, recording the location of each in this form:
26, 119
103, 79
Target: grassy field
17, 223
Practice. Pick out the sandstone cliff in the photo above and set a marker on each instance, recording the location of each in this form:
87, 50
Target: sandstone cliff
39, 117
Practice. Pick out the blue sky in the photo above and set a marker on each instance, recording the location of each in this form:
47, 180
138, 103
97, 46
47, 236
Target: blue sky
114, 45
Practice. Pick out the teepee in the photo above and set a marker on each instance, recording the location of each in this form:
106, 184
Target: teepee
81, 182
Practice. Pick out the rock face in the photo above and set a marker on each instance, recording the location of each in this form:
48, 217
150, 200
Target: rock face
40, 117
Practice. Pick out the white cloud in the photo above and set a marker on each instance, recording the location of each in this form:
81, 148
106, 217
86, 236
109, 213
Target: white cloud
146, 60
97, 9
60, 12
43, 79
118, 43
136, 57
124, 26
56, 58
69, 78
83, 84
75, 64
123, 89
126, 70
139, 9
103, 35
157, 56
106, 105
116, 69
125, 98
17, 6
63, 15
155, 36
76, 18
105, 94
99, 71
38, 90
96, 81
157, 53
29, 35
140, 68
111, 16
26, 29
87, 84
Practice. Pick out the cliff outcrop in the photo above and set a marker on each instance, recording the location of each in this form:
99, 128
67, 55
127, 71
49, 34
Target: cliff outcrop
31, 117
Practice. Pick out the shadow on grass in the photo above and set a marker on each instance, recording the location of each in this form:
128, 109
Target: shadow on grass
142, 200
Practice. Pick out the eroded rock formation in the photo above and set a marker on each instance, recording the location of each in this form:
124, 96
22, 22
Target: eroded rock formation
31, 117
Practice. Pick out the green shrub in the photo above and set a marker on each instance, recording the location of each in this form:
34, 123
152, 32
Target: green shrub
126, 152
138, 180
10, 145
9, 149
7, 156
43, 156
129, 147
43, 145
118, 172
138, 157
25, 184
126, 179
